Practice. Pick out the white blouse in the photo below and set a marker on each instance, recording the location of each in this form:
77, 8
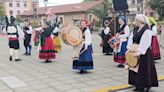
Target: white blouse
106, 30
88, 39
144, 44
39, 29
56, 29
126, 32
154, 30
30, 30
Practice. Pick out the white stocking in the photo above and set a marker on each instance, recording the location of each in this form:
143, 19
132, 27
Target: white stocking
16, 54
11, 51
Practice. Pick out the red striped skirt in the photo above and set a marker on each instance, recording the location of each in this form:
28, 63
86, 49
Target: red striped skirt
155, 48
47, 51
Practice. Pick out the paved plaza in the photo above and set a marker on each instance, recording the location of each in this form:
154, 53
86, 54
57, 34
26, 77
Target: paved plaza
32, 75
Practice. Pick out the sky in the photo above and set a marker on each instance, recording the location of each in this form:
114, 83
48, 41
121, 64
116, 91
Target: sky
58, 2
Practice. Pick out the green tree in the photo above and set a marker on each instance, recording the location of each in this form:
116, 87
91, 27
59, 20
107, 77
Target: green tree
88, 0
103, 10
1, 12
157, 5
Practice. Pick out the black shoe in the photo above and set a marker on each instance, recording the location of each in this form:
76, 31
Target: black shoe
136, 89
18, 59
83, 71
10, 58
29, 54
147, 89
25, 54
120, 66
48, 61
109, 54
139, 90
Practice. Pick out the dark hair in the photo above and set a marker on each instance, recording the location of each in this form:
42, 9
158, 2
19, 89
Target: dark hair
123, 18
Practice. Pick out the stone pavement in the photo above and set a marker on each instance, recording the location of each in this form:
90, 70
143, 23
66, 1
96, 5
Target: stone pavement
31, 75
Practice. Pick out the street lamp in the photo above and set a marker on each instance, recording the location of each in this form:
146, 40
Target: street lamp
45, 2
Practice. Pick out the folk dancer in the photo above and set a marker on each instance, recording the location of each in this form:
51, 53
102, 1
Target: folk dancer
56, 38
85, 61
155, 44
123, 34
27, 29
47, 51
14, 34
38, 31
144, 75
106, 35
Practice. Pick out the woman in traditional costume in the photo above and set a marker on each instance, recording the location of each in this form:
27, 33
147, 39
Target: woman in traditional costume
155, 44
47, 51
106, 35
145, 77
85, 61
56, 37
122, 34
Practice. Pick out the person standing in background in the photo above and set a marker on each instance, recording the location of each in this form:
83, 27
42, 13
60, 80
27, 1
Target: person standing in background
27, 29
122, 34
106, 35
154, 44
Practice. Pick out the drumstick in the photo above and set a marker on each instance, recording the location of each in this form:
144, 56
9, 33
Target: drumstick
82, 52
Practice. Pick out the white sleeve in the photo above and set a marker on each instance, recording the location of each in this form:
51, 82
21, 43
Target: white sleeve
30, 30
154, 30
107, 30
145, 42
55, 30
38, 29
130, 41
4, 31
126, 33
20, 32
87, 34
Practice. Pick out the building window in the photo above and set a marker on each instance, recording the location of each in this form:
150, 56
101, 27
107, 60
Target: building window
25, 4
133, 1
18, 4
90, 17
146, 14
61, 19
18, 12
11, 12
151, 14
10, 4
139, 1
34, 5
138, 9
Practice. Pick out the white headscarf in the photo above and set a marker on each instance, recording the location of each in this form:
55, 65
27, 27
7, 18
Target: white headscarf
142, 18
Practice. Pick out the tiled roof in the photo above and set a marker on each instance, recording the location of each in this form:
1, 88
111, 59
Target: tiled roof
68, 8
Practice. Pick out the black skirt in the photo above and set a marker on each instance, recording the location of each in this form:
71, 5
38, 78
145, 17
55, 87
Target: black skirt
14, 44
106, 47
147, 75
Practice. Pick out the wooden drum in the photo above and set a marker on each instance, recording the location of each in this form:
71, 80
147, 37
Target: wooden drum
131, 60
71, 35
114, 42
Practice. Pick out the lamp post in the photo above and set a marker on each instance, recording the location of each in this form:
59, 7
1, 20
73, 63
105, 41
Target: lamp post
45, 2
